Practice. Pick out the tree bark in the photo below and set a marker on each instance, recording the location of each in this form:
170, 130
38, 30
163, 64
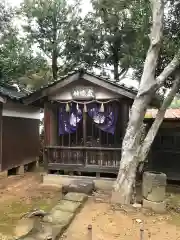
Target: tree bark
129, 159
144, 150
54, 64
54, 46
116, 72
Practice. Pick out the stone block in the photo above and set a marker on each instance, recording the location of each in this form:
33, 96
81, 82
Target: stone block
59, 217
79, 186
157, 207
76, 197
157, 194
154, 186
67, 206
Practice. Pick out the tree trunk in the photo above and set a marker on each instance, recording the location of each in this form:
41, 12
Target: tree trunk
116, 72
54, 46
130, 147
54, 63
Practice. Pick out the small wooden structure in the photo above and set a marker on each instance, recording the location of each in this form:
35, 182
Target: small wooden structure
85, 120
165, 151
19, 129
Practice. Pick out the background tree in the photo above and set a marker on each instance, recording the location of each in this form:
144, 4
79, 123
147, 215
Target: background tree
17, 58
49, 22
107, 36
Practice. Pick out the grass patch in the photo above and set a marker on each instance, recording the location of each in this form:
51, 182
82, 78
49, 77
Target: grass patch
11, 211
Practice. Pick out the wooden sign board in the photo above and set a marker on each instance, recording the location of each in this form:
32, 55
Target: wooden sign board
83, 93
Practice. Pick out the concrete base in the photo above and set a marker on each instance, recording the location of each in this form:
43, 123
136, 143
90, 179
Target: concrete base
104, 184
157, 207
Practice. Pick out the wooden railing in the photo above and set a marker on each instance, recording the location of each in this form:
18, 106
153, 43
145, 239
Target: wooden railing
105, 159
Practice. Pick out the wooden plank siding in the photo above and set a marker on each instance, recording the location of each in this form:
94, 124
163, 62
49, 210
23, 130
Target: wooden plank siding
20, 141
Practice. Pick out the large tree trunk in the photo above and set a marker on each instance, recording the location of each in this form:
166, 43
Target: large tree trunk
130, 146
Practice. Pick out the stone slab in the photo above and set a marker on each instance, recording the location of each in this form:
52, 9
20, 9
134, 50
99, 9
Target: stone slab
157, 207
59, 217
67, 206
49, 230
99, 184
80, 186
26, 225
76, 197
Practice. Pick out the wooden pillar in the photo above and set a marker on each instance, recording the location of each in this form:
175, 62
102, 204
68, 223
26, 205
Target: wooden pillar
53, 125
50, 130
125, 107
50, 124
46, 125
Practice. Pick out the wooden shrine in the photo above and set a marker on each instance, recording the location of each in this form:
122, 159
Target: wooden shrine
85, 118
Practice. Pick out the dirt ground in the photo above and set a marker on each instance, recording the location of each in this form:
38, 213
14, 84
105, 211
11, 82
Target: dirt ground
20, 194
117, 223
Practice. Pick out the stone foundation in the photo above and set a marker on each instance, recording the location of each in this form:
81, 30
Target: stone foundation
157, 207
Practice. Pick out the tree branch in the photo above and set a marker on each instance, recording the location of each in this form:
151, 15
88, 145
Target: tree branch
147, 80
144, 149
168, 70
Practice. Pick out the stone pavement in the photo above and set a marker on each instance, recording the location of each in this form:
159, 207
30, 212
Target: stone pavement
53, 225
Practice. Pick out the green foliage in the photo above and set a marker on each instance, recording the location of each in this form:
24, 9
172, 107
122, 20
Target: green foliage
107, 36
16, 56
171, 36
49, 23
114, 34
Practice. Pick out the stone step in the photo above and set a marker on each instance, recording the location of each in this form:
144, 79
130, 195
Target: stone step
76, 197
58, 219
67, 206
79, 186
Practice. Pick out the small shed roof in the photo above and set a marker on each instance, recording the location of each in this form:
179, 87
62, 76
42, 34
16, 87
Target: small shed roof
170, 113
11, 92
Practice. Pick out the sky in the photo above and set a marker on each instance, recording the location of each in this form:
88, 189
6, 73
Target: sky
86, 7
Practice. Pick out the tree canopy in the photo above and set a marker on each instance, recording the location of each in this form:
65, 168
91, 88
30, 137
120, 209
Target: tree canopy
112, 35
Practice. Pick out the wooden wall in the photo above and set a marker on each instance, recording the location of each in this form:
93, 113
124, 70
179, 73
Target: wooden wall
1, 107
20, 141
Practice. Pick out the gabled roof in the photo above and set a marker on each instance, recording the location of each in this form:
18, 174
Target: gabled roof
103, 81
11, 92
